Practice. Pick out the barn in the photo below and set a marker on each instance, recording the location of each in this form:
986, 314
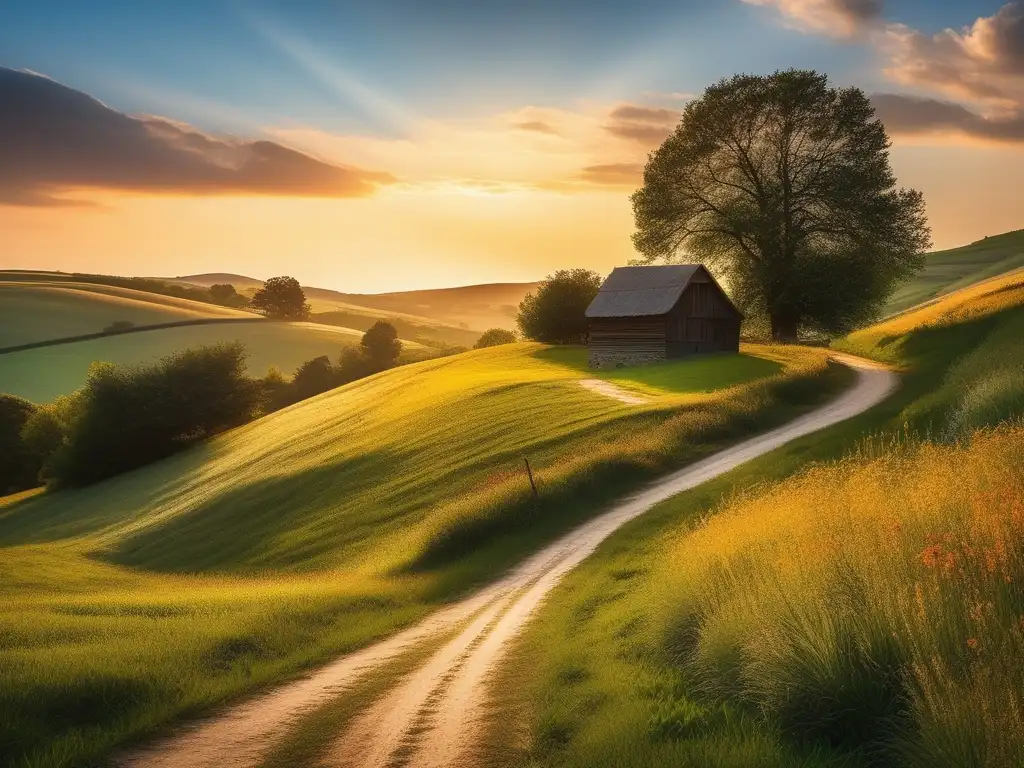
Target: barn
647, 314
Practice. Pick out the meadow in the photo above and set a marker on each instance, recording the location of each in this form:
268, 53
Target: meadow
40, 310
44, 373
325, 525
849, 600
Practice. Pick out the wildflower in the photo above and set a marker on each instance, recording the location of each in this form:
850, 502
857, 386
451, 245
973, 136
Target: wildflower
972, 643
930, 555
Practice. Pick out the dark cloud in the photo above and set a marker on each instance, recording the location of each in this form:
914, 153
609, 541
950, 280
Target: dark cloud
646, 125
914, 116
862, 12
536, 126
54, 139
613, 174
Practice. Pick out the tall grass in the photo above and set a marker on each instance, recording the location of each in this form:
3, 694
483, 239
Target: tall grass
872, 605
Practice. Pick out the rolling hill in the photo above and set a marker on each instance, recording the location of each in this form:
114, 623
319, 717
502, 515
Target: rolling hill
848, 600
323, 526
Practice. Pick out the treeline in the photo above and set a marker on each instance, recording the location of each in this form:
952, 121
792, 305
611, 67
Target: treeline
126, 417
224, 295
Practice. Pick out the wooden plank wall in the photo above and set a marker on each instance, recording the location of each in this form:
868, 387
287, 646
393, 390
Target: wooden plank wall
628, 336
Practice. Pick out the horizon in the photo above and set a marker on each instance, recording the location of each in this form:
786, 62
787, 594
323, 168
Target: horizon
397, 148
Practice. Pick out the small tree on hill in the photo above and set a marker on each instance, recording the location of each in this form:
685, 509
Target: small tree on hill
494, 337
281, 298
313, 377
783, 186
556, 312
381, 346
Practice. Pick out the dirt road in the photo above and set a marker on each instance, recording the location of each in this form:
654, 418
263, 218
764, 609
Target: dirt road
429, 718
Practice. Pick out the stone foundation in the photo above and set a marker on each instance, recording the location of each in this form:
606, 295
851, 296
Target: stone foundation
605, 360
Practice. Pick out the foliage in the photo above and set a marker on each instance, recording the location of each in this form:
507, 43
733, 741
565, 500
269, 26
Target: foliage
18, 468
782, 185
555, 313
132, 416
381, 346
281, 298
225, 293
493, 337
276, 389
313, 377
46, 431
119, 326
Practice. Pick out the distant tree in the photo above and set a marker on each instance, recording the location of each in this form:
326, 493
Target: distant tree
225, 293
19, 468
277, 392
783, 186
381, 346
494, 337
555, 313
47, 430
281, 298
353, 364
119, 326
313, 377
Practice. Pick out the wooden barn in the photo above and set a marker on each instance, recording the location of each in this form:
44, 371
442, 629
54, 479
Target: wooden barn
646, 314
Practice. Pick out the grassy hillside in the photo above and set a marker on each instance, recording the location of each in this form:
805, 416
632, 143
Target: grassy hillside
41, 310
861, 612
947, 271
326, 524
42, 374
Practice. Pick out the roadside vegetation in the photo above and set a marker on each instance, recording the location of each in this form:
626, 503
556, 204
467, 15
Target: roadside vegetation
321, 527
849, 600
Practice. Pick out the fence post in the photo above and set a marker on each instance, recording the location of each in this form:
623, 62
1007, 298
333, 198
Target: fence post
529, 473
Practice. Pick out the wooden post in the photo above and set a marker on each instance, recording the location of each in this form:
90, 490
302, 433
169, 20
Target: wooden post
529, 473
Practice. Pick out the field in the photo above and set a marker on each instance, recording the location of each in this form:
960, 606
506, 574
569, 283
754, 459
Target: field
41, 310
947, 271
44, 373
848, 600
324, 525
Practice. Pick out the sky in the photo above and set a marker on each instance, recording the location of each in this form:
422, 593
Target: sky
407, 144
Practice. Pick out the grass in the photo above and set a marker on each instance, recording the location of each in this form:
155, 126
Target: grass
952, 270
42, 374
38, 311
863, 611
321, 527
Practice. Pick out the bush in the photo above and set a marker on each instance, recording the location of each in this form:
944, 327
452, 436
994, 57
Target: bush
556, 313
225, 294
381, 346
494, 337
119, 326
47, 430
276, 391
18, 468
128, 417
313, 377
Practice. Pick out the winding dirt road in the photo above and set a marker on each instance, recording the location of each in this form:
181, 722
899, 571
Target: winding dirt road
428, 719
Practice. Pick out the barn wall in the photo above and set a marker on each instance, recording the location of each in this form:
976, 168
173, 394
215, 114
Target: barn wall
626, 341
702, 321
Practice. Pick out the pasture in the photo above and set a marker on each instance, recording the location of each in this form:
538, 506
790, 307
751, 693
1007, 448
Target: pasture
41, 310
42, 374
847, 600
325, 525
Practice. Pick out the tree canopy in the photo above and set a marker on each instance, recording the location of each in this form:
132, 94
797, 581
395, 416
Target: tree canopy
281, 298
494, 337
782, 185
556, 312
381, 345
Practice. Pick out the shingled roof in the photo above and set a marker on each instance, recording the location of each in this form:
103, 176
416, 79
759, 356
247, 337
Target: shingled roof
641, 291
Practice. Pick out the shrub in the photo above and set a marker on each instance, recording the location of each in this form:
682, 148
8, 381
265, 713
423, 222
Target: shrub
47, 430
313, 377
276, 391
132, 416
381, 346
19, 467
494, 337
556, 313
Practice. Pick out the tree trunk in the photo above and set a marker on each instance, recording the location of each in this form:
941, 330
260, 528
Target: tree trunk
784, 328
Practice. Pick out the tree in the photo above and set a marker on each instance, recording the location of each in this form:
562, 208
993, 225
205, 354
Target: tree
494, 337
19, 467
556, 313
782, 185
313, 377
225, 293
281, 298
381, 346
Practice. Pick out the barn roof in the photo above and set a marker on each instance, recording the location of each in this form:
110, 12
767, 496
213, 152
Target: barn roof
641, 291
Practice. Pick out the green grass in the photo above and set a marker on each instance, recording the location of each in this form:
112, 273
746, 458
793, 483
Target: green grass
38, 311
948, 271
773, 618
312, 531
47, 372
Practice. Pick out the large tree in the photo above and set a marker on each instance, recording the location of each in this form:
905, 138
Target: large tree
782, 185
556, 312
281, 298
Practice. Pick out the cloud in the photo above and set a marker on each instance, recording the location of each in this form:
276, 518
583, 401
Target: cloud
54, 139
915, 116
536, 126
838, 18
983, 62
614, 174
648, 126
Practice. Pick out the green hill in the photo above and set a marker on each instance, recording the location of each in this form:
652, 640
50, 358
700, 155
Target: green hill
947, 271
322, 526
859, 611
